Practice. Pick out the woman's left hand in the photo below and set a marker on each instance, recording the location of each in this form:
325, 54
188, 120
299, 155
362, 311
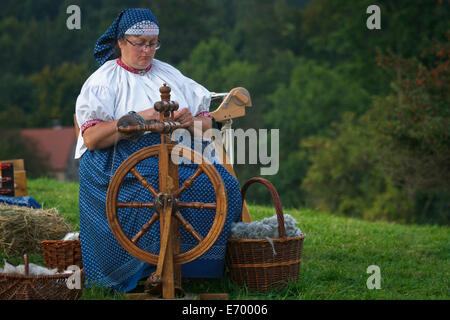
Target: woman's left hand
184, 116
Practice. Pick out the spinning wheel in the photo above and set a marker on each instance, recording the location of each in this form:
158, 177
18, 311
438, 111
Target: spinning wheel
128, 166
166, 201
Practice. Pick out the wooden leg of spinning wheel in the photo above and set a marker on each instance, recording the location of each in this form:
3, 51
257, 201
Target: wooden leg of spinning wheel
170, 243
173, 184
165, 263
176, 250
168, 288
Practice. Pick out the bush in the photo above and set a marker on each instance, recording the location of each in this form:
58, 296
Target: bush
13, 146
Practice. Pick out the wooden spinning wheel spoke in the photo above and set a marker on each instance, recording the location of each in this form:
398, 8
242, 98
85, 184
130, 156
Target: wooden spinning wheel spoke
188, 227
188, 182
136, 205
145, 228
197, 205
144, 182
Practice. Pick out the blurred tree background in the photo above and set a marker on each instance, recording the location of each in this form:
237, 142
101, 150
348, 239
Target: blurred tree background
363, 114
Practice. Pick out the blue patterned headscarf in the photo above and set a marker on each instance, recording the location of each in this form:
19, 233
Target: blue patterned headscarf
104, 47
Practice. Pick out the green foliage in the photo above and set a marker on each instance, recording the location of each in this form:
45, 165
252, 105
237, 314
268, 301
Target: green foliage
14, 146
336, 31
345, 177
272, 26
183, 24
413, 131
393, 162
54, 90
213, 63
300, 109
16, 105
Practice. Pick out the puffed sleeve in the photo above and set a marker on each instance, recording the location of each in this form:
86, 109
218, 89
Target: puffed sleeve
199, 97
94, 104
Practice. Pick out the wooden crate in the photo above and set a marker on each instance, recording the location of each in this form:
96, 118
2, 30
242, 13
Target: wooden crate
20, 178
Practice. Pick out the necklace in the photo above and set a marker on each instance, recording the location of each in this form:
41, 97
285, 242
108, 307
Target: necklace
132, 70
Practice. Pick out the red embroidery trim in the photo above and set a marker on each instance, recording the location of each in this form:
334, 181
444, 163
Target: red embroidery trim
88, 124
204, 114
123, 65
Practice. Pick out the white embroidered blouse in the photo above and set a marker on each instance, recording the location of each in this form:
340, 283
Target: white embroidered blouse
113, 90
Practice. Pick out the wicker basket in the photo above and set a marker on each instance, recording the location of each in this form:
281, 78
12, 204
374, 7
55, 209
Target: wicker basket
38, 287
252, 261
61, 253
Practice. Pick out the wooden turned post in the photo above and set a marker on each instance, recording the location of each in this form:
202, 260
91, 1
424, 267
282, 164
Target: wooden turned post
168, 183
165, 92
165, 99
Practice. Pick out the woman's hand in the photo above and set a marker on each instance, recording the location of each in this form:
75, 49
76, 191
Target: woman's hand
149, 114
184, 116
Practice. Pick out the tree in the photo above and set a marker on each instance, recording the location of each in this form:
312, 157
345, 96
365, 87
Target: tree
16, 105
335, 31
13, 146
315, 96
393, 161
414, 131
56, 92
345, 176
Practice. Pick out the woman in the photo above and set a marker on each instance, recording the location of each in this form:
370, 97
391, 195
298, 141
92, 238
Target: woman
128, 79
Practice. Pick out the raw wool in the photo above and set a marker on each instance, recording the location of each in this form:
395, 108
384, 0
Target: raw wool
22, 229
72, 236
267, 228
33, 269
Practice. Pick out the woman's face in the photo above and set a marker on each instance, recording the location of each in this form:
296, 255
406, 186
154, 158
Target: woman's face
134, 54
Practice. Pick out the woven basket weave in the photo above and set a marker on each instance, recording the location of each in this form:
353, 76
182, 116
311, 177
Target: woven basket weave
61, 253
253, 262
38, 287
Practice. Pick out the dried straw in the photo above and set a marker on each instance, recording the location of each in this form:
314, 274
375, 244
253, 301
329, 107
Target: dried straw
22, 229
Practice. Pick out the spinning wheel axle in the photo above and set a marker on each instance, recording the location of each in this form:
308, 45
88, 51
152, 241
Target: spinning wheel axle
159, 127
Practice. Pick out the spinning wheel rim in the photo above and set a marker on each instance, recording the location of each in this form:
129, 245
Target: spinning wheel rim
220, 211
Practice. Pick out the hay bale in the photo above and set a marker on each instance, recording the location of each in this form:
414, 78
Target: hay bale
22, 229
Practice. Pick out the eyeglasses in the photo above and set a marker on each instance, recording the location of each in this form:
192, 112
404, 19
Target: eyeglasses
151, 46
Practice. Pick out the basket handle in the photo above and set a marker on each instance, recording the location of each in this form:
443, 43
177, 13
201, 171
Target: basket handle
25, 262
276, 201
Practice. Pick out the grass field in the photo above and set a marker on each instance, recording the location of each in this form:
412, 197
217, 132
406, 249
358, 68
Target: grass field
413, 260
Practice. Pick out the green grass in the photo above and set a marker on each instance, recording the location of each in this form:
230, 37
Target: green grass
414, 260
55, 194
